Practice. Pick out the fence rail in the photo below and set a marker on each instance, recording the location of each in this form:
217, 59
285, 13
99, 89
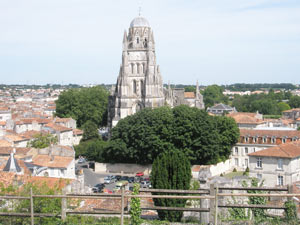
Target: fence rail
212, 195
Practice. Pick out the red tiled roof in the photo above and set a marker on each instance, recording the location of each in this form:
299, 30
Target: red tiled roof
77, 132
288, 150
270, 133
58, 127
245, 119
292, 110
57, 162
189, 95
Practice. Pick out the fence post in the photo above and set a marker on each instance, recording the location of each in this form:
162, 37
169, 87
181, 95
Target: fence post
211, 203
63, 206
290, 191
216, 204
31, 208
122, 204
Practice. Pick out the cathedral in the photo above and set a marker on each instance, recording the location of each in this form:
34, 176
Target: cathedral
139, 83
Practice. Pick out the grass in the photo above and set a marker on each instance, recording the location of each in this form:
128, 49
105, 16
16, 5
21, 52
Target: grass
234, 174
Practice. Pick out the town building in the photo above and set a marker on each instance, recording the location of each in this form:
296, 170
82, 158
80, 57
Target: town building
247, 120
221, 109
254, 140
278, 165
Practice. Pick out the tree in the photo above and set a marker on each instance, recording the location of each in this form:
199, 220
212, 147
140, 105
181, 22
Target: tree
171, 170
92, 149
282, 106
84, 104
295, 101
190, 89
42, 141
214, 94
90, 131
140, 138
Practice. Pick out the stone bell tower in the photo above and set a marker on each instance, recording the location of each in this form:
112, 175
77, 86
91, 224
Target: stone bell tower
139, 83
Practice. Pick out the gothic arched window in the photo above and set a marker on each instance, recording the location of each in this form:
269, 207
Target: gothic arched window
134, 86
137, 40
141, 68
132, 67
138, 68
142, 88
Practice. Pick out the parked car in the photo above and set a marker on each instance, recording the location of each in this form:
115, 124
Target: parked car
120, 184
98, 188
146, 184
131, 179
118, 177
139, 174
109, 179
124, 178
82, 160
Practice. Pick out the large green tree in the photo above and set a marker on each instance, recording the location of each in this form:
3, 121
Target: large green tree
214, 94
171, 170
84, 104
295, 101
202, 138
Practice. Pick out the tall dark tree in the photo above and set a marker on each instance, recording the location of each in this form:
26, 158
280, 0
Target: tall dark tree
84, 104
171, 170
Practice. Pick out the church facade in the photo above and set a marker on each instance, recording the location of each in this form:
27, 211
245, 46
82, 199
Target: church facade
139, 83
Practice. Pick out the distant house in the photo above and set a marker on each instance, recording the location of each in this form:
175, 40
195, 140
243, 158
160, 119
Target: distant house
64, 134
254, 140
293, 114
248, 120
220, 109
278, 165
5, 113
55, 161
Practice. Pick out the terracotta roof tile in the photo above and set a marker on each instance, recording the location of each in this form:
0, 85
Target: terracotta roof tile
288, 150
269, 133
58, 127
77, 132
56, 162
189, 95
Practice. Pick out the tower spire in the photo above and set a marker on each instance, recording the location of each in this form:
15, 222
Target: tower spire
140, 8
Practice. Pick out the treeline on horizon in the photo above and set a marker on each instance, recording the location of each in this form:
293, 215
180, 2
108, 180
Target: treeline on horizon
231, 87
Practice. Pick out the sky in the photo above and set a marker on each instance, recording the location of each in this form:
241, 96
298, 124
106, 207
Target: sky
212, 41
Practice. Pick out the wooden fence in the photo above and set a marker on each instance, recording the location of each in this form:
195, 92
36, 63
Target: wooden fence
212, 195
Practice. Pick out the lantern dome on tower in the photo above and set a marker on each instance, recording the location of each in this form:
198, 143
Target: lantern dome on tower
139, 22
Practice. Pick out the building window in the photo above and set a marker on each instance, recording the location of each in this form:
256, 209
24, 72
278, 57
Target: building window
134, 86
246, 162
259, 176
254, 139
259, 162
246, 150
264, 140
283, 140
236, 162
253, 149
280, 180
137, 40
273, 140
236, 150
279, 164
246, 139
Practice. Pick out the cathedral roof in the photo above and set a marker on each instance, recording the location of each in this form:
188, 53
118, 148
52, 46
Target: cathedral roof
139, 22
